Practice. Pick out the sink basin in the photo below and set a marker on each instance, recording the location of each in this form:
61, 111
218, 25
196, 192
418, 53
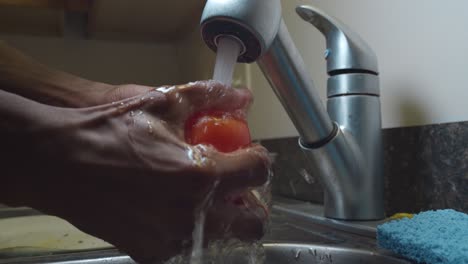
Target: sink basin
310, 254
276, 253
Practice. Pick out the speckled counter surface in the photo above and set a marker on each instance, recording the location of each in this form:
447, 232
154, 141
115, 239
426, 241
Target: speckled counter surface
426, 167
42, 233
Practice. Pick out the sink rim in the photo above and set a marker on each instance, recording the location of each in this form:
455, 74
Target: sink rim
325, 247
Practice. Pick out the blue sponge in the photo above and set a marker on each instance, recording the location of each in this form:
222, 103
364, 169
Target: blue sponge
431, 237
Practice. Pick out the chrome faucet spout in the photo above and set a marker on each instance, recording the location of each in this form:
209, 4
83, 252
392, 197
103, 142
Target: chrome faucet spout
343, 141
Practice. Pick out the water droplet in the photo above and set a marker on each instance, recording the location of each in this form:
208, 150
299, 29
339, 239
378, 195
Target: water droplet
132, 113
121, 107
273, 156
313, 252
293, 188
150, 127
270, 175
307, 177
298, 255
165, 89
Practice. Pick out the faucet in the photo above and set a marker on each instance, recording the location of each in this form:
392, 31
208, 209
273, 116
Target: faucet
344, 145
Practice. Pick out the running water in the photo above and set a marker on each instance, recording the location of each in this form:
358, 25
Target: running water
229, 251
226, 58
199, 227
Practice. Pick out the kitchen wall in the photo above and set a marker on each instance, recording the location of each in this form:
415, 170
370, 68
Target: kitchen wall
423, 59
125, 61
115, 62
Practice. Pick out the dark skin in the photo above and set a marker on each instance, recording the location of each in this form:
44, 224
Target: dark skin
115, 164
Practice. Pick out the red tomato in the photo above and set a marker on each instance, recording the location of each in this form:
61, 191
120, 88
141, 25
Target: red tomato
223, 131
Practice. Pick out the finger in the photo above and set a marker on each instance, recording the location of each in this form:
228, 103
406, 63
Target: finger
207, 95
248, 167
215, 95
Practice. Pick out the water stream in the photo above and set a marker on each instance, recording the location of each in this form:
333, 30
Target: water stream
232, 250
226, 58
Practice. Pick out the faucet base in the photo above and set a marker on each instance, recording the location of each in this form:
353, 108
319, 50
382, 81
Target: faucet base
351, 191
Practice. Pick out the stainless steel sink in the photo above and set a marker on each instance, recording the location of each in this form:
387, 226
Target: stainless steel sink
276, 253
303, 253
297, 234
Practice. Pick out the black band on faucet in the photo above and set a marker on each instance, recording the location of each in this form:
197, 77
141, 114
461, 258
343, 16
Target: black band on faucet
320, 143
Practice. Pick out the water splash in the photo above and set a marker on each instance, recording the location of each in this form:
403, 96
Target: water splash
307, 177
233, 251
136, 113
122, 107
256, 253
312, 252
293, 187
165, 89
273, 156
197, 249
196, 256
297, 254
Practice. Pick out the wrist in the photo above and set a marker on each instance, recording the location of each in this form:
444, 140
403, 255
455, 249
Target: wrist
85, 94
53, 87
22, 75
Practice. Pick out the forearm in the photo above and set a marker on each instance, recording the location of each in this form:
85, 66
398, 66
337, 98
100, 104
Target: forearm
20, 74
23, 130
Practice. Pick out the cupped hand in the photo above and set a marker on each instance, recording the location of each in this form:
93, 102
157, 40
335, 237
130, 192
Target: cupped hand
123, 172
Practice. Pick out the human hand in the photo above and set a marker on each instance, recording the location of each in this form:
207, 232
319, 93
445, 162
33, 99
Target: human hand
123, 172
